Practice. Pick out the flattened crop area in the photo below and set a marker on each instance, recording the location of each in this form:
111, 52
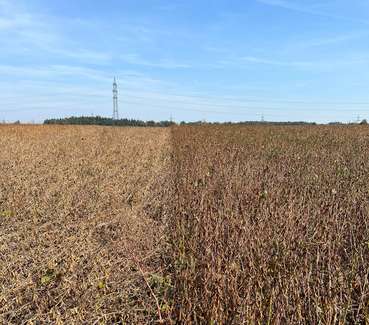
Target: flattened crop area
76, 227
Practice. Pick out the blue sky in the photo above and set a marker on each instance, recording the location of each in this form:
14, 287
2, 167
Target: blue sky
217, 60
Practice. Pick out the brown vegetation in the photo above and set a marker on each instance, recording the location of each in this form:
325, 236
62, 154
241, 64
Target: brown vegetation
202, 225
77, 243
270, 225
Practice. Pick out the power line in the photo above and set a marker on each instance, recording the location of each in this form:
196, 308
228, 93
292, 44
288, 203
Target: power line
176, 103
171, 108
244, 106
255, 100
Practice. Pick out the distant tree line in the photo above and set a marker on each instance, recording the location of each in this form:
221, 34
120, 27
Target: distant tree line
362, 122
248, 123
99, 120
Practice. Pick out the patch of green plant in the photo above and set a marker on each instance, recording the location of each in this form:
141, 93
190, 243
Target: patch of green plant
263, 195
49, 276
7, 214
101, 285
160, 283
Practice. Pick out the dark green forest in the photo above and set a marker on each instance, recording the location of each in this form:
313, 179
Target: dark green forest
99, 120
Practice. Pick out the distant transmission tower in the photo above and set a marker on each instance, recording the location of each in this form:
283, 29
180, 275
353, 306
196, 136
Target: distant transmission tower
115, 100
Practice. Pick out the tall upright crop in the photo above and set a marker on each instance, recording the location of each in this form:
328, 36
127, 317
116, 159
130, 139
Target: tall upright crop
270, 224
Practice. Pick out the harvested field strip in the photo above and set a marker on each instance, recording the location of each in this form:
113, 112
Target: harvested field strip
75, 222
270, 225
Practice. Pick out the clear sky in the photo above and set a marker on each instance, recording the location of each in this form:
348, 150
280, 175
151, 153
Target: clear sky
225, 60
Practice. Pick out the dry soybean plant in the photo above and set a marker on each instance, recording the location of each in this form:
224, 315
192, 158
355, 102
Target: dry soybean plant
270, 225
77, 242
191, 225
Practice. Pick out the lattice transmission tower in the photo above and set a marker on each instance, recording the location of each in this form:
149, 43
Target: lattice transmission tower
115, 100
